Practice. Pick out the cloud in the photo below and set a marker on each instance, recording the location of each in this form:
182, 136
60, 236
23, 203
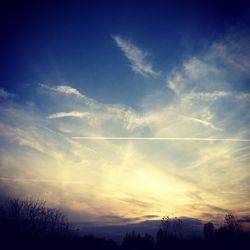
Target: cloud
119, 220
63, 89
207, 96
115, 220
120, 179
97, 114
137, 57
4, 94
224, 67
196, 75
244, 219
68, 114
203, 122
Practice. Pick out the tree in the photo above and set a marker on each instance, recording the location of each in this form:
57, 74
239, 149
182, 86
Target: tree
177, 228
231, 224
166, 226
31, 225
171, 227
208, 230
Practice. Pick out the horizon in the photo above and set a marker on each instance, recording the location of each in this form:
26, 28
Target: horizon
124, 112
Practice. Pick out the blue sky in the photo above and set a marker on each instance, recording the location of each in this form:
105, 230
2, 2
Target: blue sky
66, 42
127, 69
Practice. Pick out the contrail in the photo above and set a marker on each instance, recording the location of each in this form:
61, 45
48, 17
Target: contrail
159, 138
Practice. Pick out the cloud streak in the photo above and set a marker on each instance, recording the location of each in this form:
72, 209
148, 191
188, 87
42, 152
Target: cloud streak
69, 114
160, 138
63, 89
203, 122
137, 57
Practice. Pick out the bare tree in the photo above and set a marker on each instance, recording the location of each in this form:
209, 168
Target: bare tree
208, 230
172, 227
231, 223
32, 217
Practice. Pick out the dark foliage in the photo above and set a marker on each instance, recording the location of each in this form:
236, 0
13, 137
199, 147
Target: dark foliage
29, 224
136, 241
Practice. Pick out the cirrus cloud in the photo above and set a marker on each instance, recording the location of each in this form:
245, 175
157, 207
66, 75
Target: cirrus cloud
137, 57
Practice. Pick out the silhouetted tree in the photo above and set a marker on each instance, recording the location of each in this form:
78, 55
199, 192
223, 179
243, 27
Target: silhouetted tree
166, 226
177, 228
29, 224
134, 241
208, 230
170, 234
231, 223
171, 227
147, 242
29, 221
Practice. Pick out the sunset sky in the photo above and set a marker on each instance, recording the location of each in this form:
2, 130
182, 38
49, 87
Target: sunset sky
165, 73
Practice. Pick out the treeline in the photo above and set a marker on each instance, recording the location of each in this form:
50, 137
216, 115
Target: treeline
29, 224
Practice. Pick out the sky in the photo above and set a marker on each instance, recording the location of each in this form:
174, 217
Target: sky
125, 111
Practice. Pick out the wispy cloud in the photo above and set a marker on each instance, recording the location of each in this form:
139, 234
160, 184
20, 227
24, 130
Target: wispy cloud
64, 89
137, 57
209, 96
69, 114
4, 94
203, 122
97, 114
70, 91
224, 63
156, 159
